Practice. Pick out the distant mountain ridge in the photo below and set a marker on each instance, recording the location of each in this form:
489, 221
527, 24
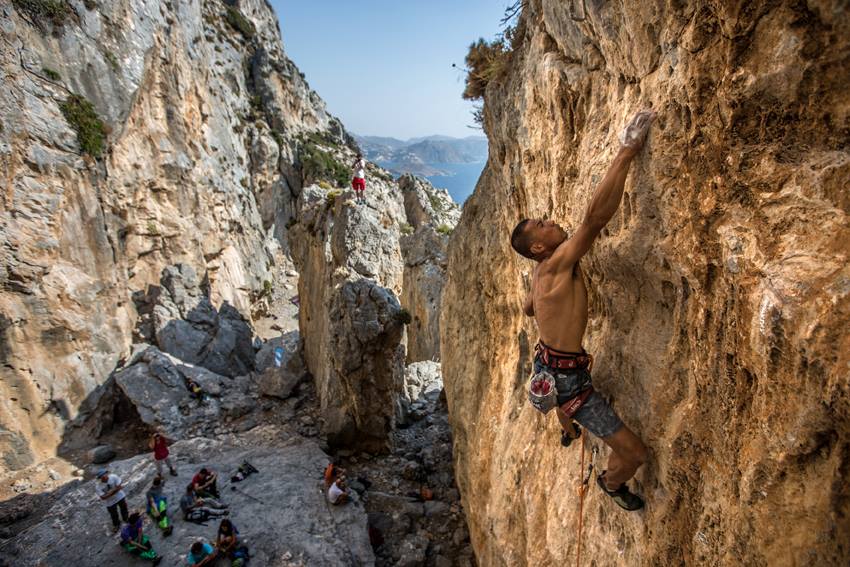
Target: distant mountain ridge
422, 156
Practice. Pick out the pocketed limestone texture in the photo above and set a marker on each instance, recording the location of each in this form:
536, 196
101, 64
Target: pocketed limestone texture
719, 291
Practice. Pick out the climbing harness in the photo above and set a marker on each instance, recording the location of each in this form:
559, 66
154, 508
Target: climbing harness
542, 388
582, 490
562, 360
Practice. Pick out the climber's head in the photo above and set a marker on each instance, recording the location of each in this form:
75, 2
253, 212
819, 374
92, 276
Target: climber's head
537, 239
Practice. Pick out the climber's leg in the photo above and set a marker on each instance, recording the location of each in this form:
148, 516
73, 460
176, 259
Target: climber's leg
629, 453
569, 430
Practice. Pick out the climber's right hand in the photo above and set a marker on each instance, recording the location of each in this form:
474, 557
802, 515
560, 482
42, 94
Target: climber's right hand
634, 134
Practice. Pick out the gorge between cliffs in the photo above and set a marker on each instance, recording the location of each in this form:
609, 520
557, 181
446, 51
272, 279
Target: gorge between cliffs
181, 252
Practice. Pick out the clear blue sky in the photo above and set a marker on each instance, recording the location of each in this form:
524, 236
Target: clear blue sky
384, 67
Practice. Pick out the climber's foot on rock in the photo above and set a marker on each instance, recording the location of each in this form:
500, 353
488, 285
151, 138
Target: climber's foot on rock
634, 134
567, 439
625, 499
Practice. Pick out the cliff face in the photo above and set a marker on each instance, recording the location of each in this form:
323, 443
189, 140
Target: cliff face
201, 109
719, 292
361, 281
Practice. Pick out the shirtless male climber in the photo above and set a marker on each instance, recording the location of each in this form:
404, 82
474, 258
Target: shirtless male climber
558, 300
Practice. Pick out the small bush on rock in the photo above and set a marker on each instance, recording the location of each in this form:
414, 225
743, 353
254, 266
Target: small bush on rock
51, 74
444, 229
317, 164
406, 229
485, 62
332, 195
43, 11
239, 22
81, 116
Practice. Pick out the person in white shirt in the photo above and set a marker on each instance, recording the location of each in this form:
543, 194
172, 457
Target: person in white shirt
337, 493
111, 490
358, 183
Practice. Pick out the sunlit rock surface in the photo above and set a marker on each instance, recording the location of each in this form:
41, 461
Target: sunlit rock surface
719, 302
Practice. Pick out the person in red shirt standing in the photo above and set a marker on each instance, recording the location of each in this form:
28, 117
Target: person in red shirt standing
160, 444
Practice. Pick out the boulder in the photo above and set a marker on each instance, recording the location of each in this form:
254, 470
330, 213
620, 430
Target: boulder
101, 454
188, 326
278, 382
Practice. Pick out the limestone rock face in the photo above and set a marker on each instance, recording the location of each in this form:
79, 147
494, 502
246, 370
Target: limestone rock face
287, 480
719, 291
431, 215
199, 168
424, 275
350, 267
354, 263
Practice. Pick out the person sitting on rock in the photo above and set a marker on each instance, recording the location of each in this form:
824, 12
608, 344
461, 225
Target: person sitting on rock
157, 506
332, 471
111, 491
196, 509
201, 553
358, 183
558, 300
195, 390
134, 540
337, 493
159, 443
227, 544
205, 483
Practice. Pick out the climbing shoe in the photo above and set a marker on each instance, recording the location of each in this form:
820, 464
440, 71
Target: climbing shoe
566, 439
624, 498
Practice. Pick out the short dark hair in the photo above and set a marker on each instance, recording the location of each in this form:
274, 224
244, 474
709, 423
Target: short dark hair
204, 471
190, 488
157, 480
197, 547
133, 518
520, 241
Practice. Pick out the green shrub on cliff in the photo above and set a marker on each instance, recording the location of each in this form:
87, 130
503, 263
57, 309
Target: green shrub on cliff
239, 22
81, 116
51, 74
317, 165
42, 11
485, 62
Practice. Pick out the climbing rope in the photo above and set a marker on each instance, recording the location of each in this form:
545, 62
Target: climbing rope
582, 490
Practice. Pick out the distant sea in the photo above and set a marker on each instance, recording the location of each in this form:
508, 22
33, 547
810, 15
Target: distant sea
459, 184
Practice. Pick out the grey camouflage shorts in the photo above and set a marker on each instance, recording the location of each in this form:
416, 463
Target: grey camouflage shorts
595, 415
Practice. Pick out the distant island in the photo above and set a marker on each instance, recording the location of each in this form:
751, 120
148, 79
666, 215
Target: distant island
452, 163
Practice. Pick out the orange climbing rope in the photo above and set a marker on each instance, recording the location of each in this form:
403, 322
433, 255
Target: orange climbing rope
582, 489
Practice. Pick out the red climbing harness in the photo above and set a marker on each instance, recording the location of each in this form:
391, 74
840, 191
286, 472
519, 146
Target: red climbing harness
542, 384
562, 360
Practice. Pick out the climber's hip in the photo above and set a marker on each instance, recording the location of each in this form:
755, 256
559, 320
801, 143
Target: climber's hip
595, 414
358, 184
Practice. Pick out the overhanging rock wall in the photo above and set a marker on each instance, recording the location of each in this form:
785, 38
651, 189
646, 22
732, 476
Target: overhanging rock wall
719, 302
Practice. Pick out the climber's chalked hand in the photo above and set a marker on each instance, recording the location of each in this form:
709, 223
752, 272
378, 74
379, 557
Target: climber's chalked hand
634, 134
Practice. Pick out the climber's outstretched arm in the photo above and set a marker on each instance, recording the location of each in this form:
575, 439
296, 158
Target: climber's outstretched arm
606, 199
